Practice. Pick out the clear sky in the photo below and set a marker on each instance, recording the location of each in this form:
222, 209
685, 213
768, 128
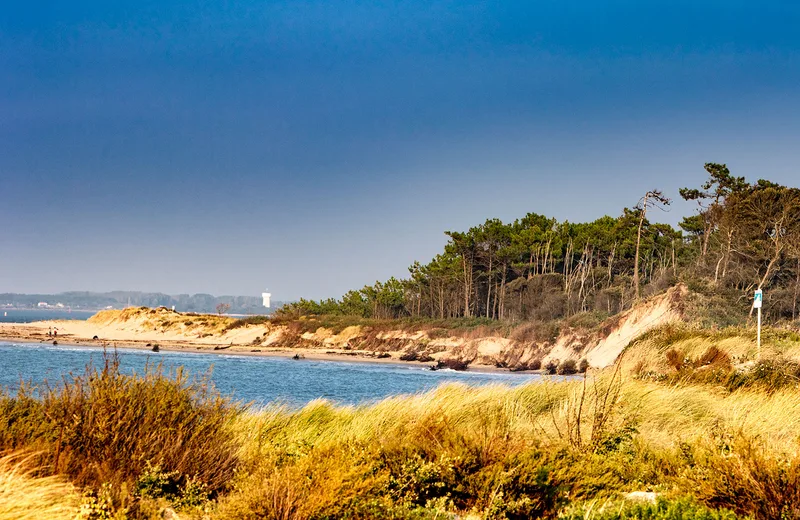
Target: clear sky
316, 146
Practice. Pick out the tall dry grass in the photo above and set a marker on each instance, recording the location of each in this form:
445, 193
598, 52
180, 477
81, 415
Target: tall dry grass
535, 451
516, 452
24, 496
106, 427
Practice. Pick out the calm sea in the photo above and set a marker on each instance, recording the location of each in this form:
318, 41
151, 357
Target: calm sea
259, 380
29, 315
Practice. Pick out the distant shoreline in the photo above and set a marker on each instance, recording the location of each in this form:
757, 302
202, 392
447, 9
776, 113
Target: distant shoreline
50, 309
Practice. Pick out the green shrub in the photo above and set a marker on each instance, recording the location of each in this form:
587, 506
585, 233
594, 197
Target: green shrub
770, 374
249, 320
567, 367
154, 482
586, 320
663, 509
98, 505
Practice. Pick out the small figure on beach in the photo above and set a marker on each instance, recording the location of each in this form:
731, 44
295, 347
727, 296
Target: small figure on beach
55, 331
49, 332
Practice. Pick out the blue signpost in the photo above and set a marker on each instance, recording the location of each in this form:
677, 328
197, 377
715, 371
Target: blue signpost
758, 300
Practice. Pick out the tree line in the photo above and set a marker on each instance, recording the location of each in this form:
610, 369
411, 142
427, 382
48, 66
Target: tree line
743, 236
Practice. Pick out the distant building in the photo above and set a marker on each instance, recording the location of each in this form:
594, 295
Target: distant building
265, 297
42, 304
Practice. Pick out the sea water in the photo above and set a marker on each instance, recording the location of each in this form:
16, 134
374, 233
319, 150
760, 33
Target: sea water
257, 380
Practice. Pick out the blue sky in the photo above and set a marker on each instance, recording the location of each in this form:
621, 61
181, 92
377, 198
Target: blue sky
316, 146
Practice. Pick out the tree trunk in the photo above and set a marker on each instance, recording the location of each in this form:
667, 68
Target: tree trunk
706, 233
530, 265
716, 270
775, 257
771, 264
674, 267
489, 286
503, 295
547, 254
611, 263
586, 265
796, 289
467, 285
638, 243
727, 254
441, 300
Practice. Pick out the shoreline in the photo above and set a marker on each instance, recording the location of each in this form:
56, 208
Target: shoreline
238, 350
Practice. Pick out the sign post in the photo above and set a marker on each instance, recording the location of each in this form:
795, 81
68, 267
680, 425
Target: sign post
758, 299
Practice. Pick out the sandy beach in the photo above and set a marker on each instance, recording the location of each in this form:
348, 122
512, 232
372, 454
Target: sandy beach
83, 333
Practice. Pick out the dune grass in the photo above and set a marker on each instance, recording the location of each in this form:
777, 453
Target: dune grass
164, 320
105, 428
136, 445
508, 453
24, 496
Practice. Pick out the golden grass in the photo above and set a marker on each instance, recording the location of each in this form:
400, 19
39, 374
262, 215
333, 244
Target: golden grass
106, 427
331, 447
486, 452
647, 353
665, 415
26, 497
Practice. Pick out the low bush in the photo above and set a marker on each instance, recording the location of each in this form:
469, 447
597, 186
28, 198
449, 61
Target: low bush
737, 472
675, 359
713, 356
535, 332
768, 374
683, 508
104, 426
249, 320
567, 367
586, 320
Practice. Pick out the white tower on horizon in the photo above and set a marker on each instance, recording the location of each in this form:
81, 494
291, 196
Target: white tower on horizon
265, 297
